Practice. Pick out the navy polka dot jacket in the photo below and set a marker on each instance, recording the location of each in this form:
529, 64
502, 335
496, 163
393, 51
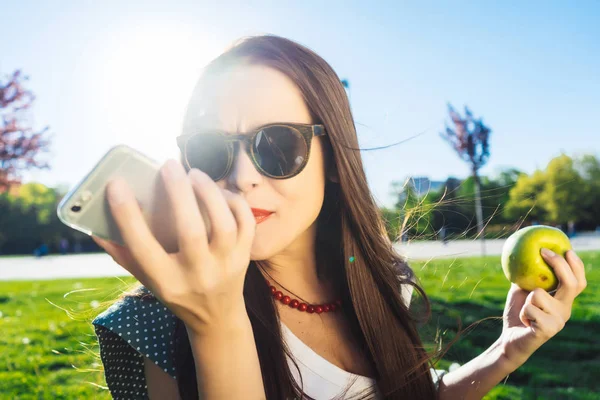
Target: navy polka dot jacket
131, 328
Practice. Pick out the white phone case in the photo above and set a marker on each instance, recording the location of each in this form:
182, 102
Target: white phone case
86, 209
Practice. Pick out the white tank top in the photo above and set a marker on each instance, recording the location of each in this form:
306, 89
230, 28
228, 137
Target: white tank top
321, 379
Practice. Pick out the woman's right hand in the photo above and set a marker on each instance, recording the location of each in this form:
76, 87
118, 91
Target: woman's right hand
203, 283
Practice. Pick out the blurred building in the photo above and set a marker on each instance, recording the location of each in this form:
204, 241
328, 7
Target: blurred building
419, 186
422, 185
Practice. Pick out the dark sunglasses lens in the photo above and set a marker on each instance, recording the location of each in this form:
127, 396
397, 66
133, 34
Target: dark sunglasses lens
208, 153
280, 150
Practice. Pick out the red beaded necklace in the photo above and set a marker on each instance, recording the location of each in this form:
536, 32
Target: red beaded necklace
319, 308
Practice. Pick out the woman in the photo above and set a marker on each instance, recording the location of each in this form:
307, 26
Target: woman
294, 292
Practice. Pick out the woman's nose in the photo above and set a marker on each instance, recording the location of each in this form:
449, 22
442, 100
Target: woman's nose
243, 174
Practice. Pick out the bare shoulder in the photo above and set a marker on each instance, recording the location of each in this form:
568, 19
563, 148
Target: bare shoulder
160, 384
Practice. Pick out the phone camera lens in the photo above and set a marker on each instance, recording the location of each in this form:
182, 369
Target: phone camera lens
76, 208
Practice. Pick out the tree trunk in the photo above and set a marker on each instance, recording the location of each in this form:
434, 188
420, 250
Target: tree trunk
478, 211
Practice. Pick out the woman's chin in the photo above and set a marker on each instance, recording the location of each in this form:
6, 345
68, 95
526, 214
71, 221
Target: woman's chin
263, 247
259, 253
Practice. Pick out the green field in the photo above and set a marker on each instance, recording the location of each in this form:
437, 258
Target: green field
49, 350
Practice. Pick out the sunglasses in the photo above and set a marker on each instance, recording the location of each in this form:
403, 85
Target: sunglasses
278, 151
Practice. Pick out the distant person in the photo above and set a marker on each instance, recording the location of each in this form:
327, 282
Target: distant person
63, 246
41, 250
443, 236
296, 279
571, 229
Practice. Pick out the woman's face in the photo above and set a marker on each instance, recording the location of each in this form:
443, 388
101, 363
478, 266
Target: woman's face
240, 100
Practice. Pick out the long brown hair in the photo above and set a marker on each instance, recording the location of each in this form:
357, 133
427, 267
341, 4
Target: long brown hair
349, 225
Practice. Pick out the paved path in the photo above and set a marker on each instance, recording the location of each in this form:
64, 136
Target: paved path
100, 265
55, 267
469, 248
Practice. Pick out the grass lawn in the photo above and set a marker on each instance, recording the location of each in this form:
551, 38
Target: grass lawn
566, 367
49, 350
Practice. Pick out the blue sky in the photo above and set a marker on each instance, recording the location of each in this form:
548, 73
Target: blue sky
107, 73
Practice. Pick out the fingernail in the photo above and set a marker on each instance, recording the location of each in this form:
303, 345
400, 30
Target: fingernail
548, 252
174, 170
118, 191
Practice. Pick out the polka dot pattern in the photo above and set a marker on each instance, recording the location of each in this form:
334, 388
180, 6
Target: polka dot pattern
128, 330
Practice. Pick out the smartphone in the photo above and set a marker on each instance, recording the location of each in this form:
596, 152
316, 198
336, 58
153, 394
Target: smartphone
86, 209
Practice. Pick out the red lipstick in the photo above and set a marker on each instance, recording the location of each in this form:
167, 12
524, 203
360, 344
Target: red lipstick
260, 215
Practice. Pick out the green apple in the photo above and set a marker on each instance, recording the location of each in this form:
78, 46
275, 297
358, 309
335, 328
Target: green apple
522, 261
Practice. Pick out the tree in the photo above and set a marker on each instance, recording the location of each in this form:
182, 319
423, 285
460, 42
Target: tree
492, 196
554, 195
524, 201
20, 146
411, 214
563, 192
508, 177
449, 209
588, 167
455, 204
29, 219
470, 140
39, 198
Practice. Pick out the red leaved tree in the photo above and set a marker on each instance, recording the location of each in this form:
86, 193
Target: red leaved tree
470, 139
20, 146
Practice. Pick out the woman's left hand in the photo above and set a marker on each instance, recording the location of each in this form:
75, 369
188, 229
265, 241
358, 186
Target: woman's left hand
532, 318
